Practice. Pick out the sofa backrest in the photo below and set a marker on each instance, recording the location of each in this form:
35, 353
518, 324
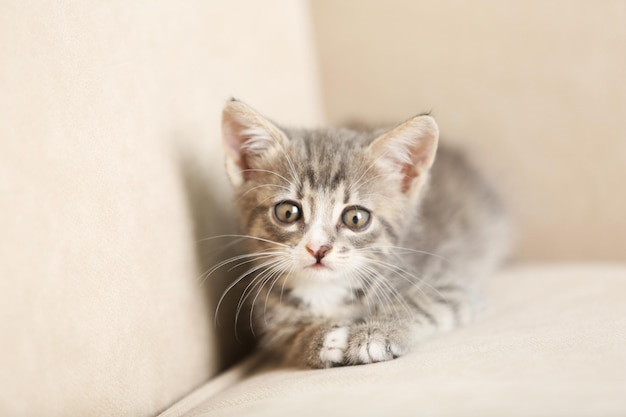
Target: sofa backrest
111, 173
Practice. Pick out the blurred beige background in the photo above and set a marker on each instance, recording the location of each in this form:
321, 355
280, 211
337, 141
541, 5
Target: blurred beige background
111, 167
534, 89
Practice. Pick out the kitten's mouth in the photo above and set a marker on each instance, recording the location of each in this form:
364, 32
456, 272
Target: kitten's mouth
318, 266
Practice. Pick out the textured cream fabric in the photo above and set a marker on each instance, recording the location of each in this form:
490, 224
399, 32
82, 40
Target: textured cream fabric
550, 343
110, 172
535, 89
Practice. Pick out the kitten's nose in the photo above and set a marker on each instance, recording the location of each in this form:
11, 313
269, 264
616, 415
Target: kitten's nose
318, 253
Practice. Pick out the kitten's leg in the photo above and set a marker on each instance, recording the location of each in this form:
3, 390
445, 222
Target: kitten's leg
296, 337
306, 342
300, 339
417, 316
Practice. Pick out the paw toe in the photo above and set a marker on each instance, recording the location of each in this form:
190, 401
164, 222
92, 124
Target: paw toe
375, 351
335, 344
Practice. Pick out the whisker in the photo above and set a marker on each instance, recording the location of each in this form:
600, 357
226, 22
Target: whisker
357, 276
282, 288
291, 166
404, 274
254, 300
372, 179
245, 237
237, 281
357, 183
261, 186
384, 287
275, 277
389, 199
380, 249
257, 282
352, 283
262, 255
268, 265
374, 287
215, 250
394, 292
267, 171
205, 275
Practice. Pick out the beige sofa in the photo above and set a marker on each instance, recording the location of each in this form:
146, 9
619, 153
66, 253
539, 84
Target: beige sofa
111, 178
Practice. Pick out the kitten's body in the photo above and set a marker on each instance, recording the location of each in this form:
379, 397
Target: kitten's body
331, 288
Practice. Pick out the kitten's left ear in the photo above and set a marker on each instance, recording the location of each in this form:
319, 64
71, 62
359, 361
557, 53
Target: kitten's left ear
250, 140
408, 150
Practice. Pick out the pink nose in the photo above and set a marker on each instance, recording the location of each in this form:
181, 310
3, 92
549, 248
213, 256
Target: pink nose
319, 253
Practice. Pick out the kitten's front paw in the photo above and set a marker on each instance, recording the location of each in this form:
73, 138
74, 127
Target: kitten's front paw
375, 342
359, 344
334, 346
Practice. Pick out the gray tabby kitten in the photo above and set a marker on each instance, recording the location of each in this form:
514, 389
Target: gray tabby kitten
362, 247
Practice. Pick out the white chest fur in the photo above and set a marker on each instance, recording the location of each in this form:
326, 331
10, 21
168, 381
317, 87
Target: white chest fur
324, 298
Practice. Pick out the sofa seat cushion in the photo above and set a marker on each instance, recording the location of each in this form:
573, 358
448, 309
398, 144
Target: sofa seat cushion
551, 341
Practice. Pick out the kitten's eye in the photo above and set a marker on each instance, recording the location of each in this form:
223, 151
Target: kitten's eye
356, 218
287, 212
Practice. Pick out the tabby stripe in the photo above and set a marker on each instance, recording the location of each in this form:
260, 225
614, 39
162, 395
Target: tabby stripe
388, 228
361, 241
255, 213
421, 311
339, 176
310, 176
346, 195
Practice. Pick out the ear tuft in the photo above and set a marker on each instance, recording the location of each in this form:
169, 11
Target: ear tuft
409, 150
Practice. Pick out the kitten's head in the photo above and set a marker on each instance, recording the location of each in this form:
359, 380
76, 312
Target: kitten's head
322, 204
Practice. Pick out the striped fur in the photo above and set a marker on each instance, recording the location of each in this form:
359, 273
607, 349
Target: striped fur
323, 291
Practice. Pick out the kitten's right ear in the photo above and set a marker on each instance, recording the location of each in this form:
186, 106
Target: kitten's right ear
250, 140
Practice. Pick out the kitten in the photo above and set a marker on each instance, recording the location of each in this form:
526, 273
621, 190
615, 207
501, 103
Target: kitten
362, 247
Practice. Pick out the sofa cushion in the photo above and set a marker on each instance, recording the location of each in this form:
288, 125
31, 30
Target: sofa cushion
551, 341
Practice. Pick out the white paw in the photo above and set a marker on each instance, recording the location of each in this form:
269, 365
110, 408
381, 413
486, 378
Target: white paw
379, 351
376, 342
335, 344
373, 351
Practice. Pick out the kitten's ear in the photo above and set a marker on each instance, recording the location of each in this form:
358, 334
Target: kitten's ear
409, 151
249, 139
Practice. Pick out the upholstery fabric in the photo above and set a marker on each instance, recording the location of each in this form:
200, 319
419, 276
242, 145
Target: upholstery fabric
111, 178
111, 173
550, 342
